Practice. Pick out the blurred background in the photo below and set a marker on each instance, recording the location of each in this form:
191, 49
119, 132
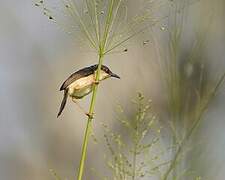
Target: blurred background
36, 57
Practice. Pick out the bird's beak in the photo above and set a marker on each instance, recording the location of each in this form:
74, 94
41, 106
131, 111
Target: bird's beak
114, 75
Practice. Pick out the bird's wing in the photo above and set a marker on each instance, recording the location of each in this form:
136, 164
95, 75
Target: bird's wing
77, 75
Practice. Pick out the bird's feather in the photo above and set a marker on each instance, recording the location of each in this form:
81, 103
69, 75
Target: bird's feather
77, 75
62, 106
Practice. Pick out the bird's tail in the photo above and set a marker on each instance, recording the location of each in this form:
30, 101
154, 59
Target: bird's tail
63, 102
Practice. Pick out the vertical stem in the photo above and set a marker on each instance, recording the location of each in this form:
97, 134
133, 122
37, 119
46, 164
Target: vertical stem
84, 149
136, 141
88, 126
194, 126
134, 163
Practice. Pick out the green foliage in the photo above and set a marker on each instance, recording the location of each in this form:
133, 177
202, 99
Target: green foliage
136, 151
190, 88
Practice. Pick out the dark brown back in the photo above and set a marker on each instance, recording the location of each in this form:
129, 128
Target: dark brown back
77, 75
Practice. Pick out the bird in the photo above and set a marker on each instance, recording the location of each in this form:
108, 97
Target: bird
81, 83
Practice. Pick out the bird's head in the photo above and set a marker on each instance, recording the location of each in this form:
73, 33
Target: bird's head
107, 73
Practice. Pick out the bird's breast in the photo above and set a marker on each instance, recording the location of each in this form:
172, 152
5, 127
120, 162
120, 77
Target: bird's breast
81, 87
78, 94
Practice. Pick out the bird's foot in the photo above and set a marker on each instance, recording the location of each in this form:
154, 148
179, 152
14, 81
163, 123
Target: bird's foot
96, 82
90, 116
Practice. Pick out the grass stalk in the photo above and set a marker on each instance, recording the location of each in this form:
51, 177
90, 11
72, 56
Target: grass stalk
88, 126
101, 53
194, 126
98, 29
134, 163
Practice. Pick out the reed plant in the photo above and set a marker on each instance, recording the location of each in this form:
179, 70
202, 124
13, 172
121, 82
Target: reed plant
189, 86
106, 26
136, 150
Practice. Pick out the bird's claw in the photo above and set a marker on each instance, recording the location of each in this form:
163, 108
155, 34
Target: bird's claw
90, 116
96, 82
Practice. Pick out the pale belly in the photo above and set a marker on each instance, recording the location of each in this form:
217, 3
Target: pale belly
81, 87
84, 86
77, 94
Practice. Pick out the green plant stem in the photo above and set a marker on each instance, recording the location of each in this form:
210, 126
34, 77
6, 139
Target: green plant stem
134, 162
183, 142
195, 125
88, 126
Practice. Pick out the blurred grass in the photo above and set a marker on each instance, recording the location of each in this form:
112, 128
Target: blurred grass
131, 150
190, 86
